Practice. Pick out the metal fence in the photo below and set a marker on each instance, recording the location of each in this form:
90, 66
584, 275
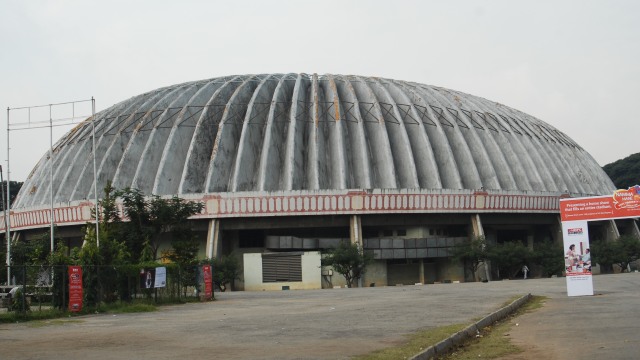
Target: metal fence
38, 288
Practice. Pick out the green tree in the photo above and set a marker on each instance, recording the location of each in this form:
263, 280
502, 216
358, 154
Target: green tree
621, 252
225, 271
630, 250
624, 172
14, 188
59, 260
471, 253
185, 255
548, 255
348, 260
508, 258
150, 218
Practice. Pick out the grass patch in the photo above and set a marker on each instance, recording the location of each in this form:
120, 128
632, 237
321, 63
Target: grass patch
113, 308
12, 317
493, 342
417, 343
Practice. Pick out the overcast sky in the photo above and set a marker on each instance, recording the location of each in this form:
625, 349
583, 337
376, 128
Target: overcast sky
572, 64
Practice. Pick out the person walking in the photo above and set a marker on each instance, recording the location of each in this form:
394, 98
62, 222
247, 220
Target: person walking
525, 270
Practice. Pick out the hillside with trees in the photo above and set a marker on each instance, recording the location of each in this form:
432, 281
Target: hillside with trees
14, 188
625, 172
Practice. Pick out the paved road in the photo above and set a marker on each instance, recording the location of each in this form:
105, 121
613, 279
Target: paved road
338, 323
604, 326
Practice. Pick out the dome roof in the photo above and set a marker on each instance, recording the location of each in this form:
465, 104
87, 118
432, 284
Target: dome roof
280, 132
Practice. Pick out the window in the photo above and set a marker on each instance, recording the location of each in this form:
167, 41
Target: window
401, 232
283, 267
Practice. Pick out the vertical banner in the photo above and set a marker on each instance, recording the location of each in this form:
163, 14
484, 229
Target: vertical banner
75, 288
577, 258
208, 288
161, 277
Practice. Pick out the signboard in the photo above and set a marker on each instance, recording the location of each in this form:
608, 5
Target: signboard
75, 288
161, 277
577, 258
623, 204
574, 214
208, 278
147, 278
151, 278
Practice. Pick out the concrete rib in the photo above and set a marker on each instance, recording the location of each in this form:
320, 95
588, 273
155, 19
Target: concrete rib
295, 147
174, 153
252, 136
272, 155
383, 170
194, 174
404, 162
154, 144
360, 155
426, 166
225, 147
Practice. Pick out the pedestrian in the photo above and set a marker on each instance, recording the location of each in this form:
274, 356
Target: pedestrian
525, 270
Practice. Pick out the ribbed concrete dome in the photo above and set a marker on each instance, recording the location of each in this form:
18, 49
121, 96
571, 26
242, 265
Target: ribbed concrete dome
284, 132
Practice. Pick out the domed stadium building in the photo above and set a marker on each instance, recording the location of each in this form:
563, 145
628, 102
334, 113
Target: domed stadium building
290, 164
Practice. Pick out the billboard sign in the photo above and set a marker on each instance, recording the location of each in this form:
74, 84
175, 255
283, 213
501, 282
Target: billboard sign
623, 204
577, 258
575, 213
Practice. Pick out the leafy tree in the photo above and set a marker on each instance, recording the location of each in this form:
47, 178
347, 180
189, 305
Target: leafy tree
225, 271
621, 252
151, 218
472, 253
630, 250
14, 188
624, 172
548, 255
185, 255
348, 260
508, 258
59, 260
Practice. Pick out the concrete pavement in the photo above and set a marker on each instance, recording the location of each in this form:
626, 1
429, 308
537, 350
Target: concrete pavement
339, 323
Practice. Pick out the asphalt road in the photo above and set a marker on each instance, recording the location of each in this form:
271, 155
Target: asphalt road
339, 323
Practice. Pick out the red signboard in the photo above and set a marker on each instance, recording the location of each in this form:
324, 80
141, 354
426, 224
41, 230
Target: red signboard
75, 288
208, 288
623, 204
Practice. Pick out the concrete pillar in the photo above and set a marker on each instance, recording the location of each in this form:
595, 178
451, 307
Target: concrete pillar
635, 231
556, 232
612, 232
355, 230
478, 230
476, 225
213, 240
355, 234
422, 280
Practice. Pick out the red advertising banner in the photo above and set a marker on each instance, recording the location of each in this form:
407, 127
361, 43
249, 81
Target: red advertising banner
75, 288
623, 204
208, 286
